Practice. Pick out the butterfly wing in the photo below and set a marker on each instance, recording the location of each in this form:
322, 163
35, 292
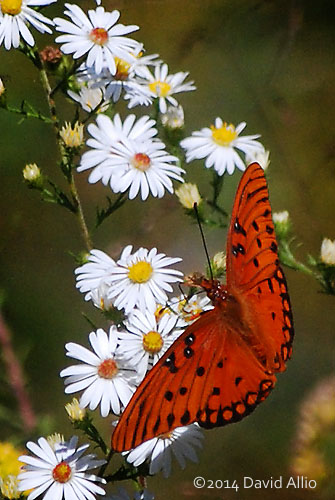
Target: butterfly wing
208, 376
253, 270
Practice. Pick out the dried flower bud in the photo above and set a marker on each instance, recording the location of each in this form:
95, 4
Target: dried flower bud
51, 55
188, 194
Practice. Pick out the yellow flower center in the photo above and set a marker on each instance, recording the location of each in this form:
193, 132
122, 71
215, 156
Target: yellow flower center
12, 7
152, 342
166, 435
224, 135
161, 89
122, 69
107, 369
99, 36
62, 472
140, 272
141, 161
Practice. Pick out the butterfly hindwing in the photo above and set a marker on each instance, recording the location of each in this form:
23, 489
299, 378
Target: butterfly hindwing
207, 375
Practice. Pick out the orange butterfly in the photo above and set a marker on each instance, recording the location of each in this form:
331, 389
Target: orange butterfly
224, 364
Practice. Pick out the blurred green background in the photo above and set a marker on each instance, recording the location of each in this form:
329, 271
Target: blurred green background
268, 63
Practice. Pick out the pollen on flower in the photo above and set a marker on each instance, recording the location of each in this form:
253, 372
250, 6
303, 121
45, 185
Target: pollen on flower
122, 69
224, 136
99, 36
12, 7
141, 161
140, 272
152, 342
161, 89
108, 369
62, 472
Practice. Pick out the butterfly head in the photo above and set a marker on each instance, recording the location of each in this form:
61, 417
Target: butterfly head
215, 290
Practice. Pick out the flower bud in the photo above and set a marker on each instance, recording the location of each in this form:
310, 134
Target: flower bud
328, 252
32, 175
174, 117
259, 156
188, 194
75, 411
2, 88
282, 223
72, 137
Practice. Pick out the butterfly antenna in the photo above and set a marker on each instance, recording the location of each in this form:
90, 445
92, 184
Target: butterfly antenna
195, 206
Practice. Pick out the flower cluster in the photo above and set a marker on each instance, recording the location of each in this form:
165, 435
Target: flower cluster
98, 64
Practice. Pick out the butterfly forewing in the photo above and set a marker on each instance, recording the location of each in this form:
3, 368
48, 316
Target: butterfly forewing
253, 266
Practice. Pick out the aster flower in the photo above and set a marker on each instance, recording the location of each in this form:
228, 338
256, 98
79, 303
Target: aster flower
218, 145
61, 471
104, 377
95, 273
125, 157
180, 443
159, 85
146, 339
15, 15
90, 98
142, 279
96, 35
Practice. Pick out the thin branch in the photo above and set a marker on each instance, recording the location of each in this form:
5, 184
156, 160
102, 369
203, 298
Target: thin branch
15, 377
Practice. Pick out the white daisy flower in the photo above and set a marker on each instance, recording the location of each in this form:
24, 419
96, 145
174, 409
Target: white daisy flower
147, 339
90, 98
143, 167
15, 15
123, 79
96, 35
95, 273
105, 378
125, 157
105, 133
159, 86
218, 143
61, 471
142, 279
180, 442
189, 309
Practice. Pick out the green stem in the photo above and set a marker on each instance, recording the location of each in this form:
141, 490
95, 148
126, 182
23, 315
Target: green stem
64, 157
104, 467
27, 113
80, 214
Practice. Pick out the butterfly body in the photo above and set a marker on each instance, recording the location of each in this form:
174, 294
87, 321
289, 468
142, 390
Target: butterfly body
224, 364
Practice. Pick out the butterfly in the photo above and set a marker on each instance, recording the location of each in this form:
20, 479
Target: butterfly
225, 363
